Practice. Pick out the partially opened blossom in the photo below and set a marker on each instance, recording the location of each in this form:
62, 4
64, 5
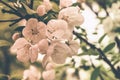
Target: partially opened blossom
50, 66
16, 35
65, 3
31, 74
34, 30
49, 74
47, 4
41, 10
57, 29
25, 51
72, 16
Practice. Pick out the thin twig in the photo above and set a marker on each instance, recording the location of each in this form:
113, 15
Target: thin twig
15, 22
31, 4
101, 54
11, 12
8, 5
17, 13
9, 20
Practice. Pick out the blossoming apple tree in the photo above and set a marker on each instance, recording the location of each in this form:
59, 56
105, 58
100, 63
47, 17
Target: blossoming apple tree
47, 33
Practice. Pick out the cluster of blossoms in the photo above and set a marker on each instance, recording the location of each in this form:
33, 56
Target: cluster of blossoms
34, 74
54, 39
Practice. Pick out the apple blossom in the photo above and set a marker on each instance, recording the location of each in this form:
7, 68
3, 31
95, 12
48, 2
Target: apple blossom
49, 74
72, 16
58, 29
50, 66
31, 74
34, 31
58, 52
25, 51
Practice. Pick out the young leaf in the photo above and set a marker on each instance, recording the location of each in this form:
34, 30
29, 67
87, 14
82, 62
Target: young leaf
109, 47
95, 74
100, 40
4, 43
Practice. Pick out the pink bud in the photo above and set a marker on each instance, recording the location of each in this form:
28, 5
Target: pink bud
49, 66
16, 36
41, 10
48, 75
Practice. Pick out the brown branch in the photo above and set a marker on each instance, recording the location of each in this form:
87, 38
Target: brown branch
101, 54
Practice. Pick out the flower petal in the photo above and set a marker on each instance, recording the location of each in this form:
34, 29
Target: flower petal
19, 43
43, 46
33, 53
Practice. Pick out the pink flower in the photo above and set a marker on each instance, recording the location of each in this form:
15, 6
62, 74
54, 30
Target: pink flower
34, 30
58, 52
57, 29
72, 16
41, 10
74, 46
47, 4
31, 74
65, 3
16, 36
50, 66
49, 74
43, 46
25, 51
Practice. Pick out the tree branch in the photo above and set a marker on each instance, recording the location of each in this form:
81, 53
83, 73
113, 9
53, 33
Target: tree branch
101, 54
11, 20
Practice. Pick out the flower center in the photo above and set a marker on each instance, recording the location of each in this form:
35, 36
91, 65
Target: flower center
34, 31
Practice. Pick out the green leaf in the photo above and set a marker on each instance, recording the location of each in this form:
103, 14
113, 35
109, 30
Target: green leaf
116, 30
4, 43
109, 47
95, 74
100, 40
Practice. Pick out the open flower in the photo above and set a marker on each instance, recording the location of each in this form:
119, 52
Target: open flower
31, 74
58, 52
58, 29
34, 30
25, 51
72, 16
